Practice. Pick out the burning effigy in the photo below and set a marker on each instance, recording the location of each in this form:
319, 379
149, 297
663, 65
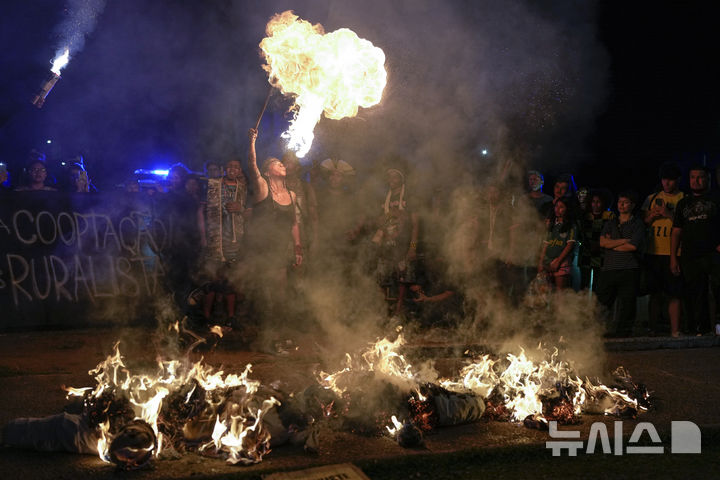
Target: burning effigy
514, 388
181, 407
128, 418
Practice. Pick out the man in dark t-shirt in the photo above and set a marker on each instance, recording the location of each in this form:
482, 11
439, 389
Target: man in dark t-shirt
696, 232
621, 239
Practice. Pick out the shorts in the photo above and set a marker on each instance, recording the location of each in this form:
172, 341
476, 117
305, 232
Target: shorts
660, 279
563, 269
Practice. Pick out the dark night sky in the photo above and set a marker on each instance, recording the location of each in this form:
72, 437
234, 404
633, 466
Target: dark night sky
660, 101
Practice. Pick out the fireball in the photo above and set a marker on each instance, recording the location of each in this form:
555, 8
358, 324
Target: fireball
329, 74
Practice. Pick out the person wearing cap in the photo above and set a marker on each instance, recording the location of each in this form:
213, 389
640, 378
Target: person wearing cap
658, 211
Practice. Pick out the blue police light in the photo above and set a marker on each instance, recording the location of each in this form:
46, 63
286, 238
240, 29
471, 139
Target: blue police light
156, 172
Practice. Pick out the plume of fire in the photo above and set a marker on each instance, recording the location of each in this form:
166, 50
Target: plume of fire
332, 74
239, 433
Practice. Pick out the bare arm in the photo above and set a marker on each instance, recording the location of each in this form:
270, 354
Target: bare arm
258, 183
675, 236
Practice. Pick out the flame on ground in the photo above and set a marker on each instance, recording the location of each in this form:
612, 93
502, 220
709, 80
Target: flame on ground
520, 387
332, 74
238, 434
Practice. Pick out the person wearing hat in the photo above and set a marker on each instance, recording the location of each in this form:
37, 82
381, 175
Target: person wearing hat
397, 237
658, 210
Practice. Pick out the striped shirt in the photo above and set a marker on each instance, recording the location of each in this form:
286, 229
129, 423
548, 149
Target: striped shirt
634, 230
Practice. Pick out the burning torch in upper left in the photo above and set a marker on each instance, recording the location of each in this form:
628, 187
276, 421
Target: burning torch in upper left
57, 64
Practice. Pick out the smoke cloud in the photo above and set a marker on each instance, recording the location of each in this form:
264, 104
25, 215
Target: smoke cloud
175, 81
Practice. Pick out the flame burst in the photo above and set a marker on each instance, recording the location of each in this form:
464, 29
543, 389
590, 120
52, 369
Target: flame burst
60, 61
332, 74
229, 399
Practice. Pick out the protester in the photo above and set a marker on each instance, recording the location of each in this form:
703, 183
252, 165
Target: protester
212, 169
77, 180
621, 240
560, 246
591, 254
658, 211
396, 238
275, 230
222, 231
305, 198
537, 197
36, 177
696, 230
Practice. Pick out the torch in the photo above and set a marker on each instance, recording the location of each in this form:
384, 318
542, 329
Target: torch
267, 99
39, 99
58, 63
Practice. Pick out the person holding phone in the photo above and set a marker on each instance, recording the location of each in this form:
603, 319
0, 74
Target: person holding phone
658, 210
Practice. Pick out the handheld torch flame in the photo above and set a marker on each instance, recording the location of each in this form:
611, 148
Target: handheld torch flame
58, 64
332, 74
60, 61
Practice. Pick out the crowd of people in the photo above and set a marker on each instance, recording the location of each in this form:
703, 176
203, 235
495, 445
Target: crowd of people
248, 243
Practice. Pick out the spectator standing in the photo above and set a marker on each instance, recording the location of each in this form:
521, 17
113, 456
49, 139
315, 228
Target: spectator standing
222, 229
696, 231
535, 195
275, 224
560, 246
621, 240
37, 176
658, 211
592, 224
396, 238
213, 169
305, 198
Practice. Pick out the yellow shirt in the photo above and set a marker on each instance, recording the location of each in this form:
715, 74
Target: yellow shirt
659, 231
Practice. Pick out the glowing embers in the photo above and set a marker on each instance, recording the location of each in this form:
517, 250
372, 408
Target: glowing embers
332, 74
136, 415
